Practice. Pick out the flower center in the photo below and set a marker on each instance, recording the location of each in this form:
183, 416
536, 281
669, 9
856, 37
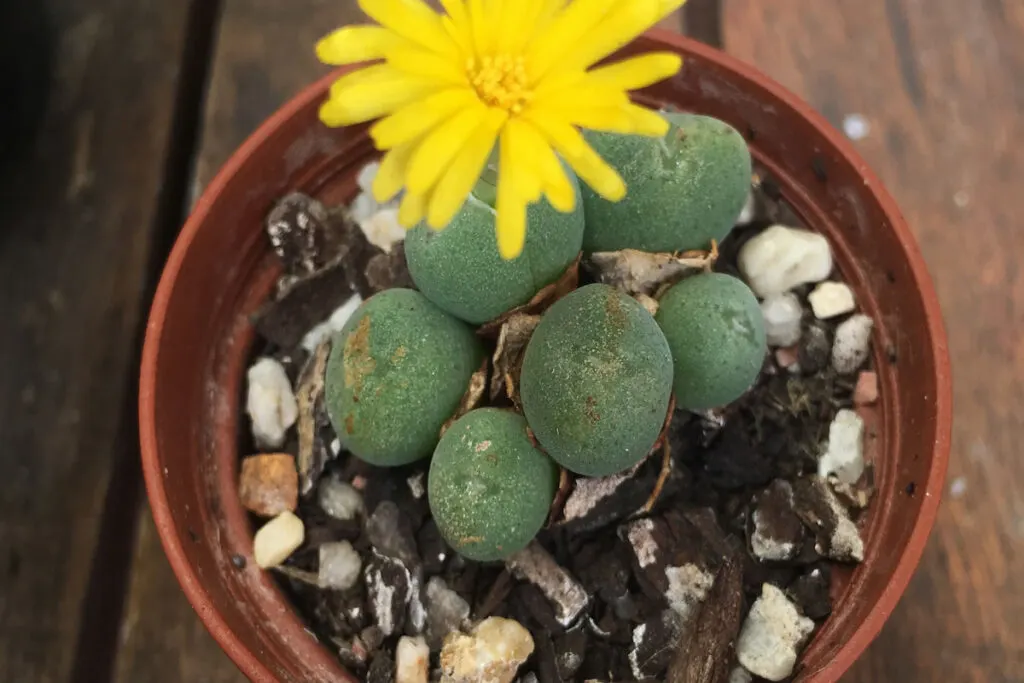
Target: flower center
500, 81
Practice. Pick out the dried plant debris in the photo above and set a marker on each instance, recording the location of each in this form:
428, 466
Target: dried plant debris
638, 272
513, 336
536, 565
312, 419
473, 396
646, 575
540, 302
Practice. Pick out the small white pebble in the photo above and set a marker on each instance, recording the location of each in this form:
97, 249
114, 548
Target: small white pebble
340, 499
340, 565
332, 325
781, 258
772, 635
688, 586
363, 207
748, 210
830, 299
277, 540
382, 229
493, 653
270, 403
412, 660
856, 127
958, 487
962, 199
782, 314
336, 446
416, 485
740, 675
844, 456
367, 174
852, 344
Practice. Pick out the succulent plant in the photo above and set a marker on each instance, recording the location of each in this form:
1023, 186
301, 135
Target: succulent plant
396, 373
716, 331
489, 487
459, 268
596, 381
684, 189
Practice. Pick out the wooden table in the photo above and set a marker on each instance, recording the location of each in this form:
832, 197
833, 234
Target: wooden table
144, 99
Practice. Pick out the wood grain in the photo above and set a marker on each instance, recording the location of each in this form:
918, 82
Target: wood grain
81, 208
940, 84
263, 56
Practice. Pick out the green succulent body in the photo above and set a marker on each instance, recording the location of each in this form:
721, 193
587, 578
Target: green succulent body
716, 331
459, 268
596, 381
396, 373
489, 488
683, 190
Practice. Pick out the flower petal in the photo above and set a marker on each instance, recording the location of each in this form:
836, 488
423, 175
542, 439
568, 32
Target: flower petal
414, 21
352, 44
581, 97
510, 223
544, 162
589, 166
391, 174
410, 211
454, 187
430, 65
612, 119
440, 146
416, 118
619, 27
366, 98
646, 122
637, 72
565, 32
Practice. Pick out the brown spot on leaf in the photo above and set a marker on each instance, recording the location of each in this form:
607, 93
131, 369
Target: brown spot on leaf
591, 410
398, 355
358, 362
350, 423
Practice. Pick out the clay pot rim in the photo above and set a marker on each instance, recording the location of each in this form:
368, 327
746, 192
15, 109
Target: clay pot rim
932, 490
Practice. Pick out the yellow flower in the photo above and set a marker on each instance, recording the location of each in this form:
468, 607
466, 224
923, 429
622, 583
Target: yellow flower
518, 74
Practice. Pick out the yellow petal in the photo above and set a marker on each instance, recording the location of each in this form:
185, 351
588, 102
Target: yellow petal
479, 27
637, 72
460, 34
440, 146
418, 62
414, 21
510, 223
618, 28
612, 119
542, 159
565, 32
646, 122
513, 156
457, 182
420, 116
371, 100
581, 97
391, 175
410, 211
589, 166
352, 44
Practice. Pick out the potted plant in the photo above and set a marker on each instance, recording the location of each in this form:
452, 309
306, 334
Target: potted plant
641, 450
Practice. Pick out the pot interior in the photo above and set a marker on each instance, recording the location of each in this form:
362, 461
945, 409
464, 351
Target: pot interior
222, 269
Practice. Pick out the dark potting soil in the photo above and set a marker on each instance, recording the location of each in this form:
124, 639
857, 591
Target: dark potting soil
653, 580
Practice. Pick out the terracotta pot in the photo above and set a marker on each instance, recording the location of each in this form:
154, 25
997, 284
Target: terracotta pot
221, 269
